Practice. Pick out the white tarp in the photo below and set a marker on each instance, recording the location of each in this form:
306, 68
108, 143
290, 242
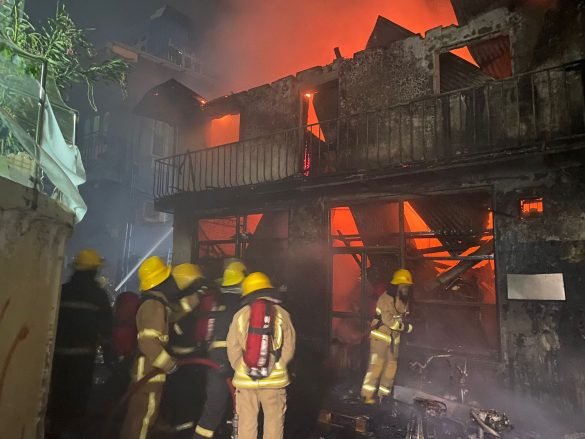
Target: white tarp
60, 161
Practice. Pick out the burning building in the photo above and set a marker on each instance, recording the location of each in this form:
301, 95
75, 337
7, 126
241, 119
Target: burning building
468, 172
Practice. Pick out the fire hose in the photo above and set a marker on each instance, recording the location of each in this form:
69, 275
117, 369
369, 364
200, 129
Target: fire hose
137, 385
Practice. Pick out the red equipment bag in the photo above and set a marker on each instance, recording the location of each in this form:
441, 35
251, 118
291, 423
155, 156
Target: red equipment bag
124, 326
259, 339
205, 323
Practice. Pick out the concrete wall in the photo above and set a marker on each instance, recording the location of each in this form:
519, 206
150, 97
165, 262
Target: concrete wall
31, 264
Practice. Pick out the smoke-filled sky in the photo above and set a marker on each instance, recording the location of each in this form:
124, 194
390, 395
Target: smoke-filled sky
251, 42
259, 40
108, 17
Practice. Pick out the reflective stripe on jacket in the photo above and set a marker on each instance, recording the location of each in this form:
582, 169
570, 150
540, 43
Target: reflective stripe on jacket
283, 342
85, 316
387, 324
152, 323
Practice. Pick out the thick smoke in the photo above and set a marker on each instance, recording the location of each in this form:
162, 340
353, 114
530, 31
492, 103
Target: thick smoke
259, 41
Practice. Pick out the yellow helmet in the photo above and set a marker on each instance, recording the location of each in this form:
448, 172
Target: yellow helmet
186, 274
255, 282
87, 259
234, 274
152, 272
402, 277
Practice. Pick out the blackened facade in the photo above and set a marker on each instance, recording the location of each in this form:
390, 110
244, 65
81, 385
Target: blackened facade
402, 167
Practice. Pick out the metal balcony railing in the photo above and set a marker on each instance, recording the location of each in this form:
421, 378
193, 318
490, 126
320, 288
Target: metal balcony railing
536, 110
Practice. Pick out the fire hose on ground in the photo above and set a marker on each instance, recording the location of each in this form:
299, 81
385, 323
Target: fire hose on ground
137, 385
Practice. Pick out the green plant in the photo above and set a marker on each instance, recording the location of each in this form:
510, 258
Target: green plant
63, 44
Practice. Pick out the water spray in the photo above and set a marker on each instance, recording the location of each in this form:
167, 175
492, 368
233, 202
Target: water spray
146, 255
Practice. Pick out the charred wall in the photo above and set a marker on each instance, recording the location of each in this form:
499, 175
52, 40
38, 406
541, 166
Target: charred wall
543, 346
379, 78
270, 108
307, 272
562, 36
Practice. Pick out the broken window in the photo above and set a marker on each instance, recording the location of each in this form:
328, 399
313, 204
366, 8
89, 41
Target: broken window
453, 265
163, 139
531, 207
260, 239
447, 243
223, 130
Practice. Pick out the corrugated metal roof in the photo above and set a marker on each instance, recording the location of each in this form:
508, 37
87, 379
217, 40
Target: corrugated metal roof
457, 73
461, 214
493, 56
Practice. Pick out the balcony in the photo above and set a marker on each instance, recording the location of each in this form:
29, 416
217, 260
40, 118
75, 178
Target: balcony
533, 112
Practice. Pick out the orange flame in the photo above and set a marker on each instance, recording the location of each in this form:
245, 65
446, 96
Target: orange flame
262, 41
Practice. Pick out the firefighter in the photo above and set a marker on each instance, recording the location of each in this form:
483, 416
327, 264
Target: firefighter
181, 399
261, 385
152, 322
85, 321
218, 395
386, 328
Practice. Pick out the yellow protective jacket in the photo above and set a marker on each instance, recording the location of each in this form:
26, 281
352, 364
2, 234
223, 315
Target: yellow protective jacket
283, 340
387, 325
152, 322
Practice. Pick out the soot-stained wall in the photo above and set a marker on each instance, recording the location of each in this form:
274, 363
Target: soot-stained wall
543, 346
270, 108
307, 269
379, 78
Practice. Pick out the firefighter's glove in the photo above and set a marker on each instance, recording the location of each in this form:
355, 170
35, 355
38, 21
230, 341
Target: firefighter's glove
406, 327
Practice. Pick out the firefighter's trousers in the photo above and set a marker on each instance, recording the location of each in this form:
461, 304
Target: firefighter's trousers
218, 397
71, 384
382, 369
143, 408
248, 404
183, 399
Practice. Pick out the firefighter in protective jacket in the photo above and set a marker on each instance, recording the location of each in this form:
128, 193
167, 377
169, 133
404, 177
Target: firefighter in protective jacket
152, 322
220, 318
181, 398
386, 329
262, 386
